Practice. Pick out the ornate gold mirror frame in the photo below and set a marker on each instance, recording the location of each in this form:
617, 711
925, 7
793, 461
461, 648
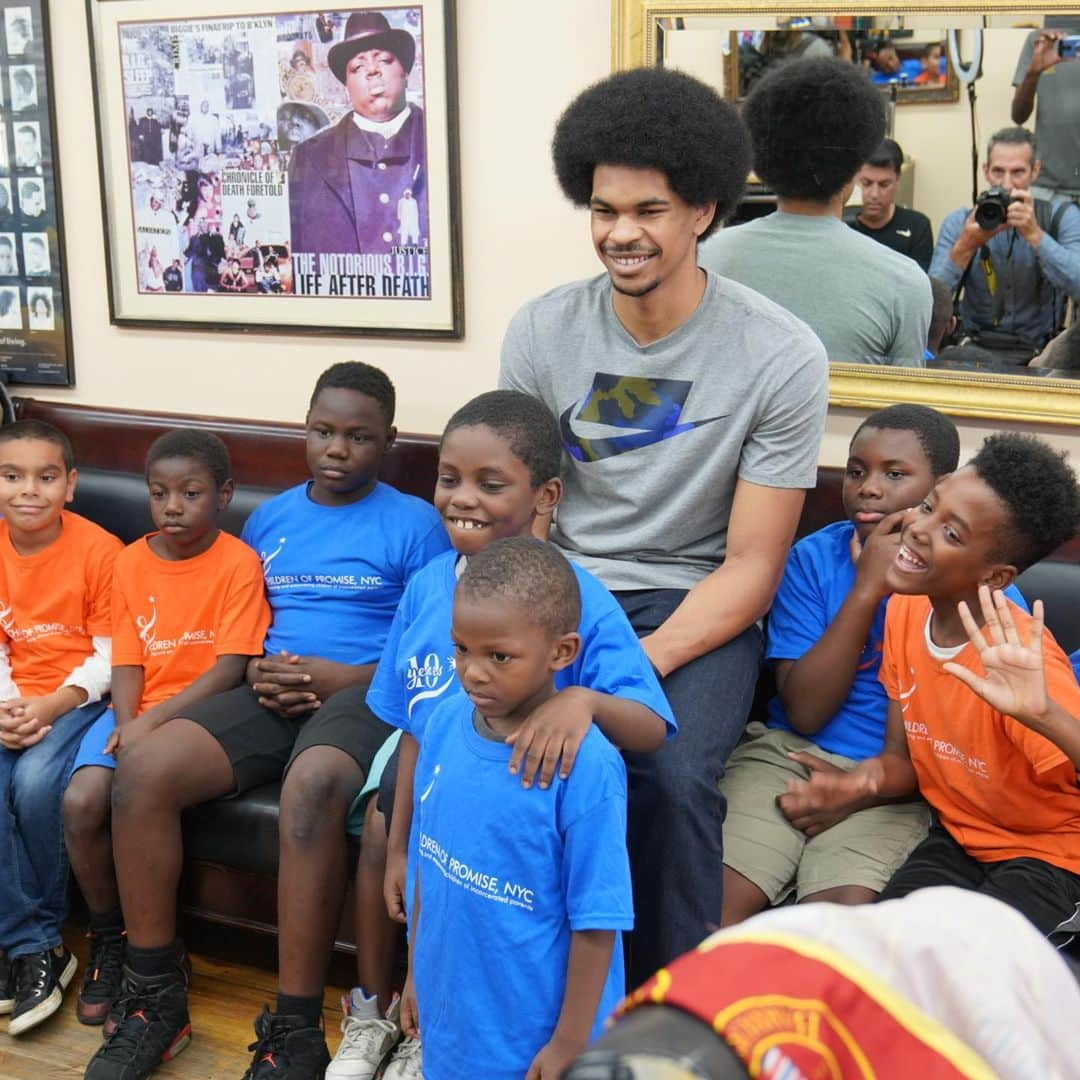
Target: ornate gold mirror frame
637, 26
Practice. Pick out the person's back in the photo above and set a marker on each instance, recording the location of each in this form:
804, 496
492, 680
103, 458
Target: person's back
862, 299
813, 125
55, 590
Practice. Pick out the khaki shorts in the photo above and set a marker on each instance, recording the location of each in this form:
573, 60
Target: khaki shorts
762, 845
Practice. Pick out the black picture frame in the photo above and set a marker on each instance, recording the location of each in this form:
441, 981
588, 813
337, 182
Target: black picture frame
35, 320
218, 151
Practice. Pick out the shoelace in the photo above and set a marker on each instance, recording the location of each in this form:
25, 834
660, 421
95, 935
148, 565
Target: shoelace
31, 973
137, 1006
272, 1034
408, 1054
106, 960
362, 1036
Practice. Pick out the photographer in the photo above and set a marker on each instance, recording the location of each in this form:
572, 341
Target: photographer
1017, 257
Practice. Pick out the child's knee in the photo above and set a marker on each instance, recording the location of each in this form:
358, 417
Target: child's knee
86, 801
373, 839
313, 797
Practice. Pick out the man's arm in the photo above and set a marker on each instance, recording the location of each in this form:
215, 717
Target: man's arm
739, 591
1044, 55
397, 843
1059, 258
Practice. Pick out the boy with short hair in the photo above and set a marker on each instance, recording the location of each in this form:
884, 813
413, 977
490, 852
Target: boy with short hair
515, 956
337, 552
824, 637
983, 704
188, 613
55, 585
499, 461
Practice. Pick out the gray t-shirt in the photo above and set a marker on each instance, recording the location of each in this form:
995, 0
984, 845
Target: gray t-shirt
1057, 116
868, 304
656, 436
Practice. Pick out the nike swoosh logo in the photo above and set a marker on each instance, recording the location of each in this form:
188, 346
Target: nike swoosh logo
583, 448
903, 232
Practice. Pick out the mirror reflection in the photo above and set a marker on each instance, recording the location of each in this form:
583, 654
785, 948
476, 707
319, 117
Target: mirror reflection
979, 191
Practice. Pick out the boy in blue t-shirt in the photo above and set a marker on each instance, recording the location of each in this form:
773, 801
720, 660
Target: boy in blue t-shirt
515, 958
498, 473
825, 634
337, 552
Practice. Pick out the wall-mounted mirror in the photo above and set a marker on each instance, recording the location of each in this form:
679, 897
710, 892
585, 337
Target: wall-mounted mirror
713, 40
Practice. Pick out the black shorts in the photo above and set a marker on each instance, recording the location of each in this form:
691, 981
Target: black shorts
1046, 894
261, 746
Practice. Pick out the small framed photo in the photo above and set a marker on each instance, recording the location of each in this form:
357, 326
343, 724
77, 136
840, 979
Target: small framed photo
28, 157
10, 309
22, 80
39, 308
32, 206
36, 261
280, 165
7, 207
9, 263
19, 28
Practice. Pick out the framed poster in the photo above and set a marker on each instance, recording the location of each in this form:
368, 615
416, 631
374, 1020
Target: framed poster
280, 165
35, 332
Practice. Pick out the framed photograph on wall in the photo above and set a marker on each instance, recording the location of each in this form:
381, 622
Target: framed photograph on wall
280, 165
35, 332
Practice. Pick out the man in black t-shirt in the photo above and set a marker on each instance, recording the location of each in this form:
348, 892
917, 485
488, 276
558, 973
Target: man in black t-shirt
903, 230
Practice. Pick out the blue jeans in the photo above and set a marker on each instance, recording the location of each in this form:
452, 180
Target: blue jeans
676, 810
33, 860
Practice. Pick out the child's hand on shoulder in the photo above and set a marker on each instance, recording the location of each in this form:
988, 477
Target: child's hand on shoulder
873, 558
551, 737
553, 1060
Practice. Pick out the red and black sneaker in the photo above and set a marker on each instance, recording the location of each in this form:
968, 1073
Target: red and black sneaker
154, 1027
287, 1049
102, 976
182, 959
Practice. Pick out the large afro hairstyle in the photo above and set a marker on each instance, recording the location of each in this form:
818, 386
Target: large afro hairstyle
1040, 493
655, 118
813, 124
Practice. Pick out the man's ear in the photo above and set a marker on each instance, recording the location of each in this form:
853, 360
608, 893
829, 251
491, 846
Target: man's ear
703, 217
564, 650
1035, 170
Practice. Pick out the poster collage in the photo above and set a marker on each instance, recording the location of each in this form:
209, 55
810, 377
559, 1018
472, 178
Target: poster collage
279, 154
33, 341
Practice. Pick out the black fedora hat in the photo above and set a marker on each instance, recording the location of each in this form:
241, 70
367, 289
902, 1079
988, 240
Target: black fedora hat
367, 30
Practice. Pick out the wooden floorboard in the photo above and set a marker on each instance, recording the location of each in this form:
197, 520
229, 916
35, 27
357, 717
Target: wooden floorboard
225, 998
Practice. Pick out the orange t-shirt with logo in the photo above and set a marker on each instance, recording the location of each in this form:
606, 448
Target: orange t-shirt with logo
1001, 790
54, 602
175, 618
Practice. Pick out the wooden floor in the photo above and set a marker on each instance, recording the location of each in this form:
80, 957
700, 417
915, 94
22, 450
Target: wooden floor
224, 999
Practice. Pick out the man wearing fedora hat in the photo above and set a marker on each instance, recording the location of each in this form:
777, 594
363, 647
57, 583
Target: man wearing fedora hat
346, 181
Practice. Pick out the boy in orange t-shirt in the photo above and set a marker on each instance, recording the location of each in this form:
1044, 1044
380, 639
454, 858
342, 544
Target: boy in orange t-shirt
55, 586
188, 612
983, 705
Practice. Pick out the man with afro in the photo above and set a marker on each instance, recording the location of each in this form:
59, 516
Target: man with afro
691, 411
813, 125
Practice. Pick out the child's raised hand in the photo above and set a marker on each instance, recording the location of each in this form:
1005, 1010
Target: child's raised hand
873, 558
1014, 682
551, 737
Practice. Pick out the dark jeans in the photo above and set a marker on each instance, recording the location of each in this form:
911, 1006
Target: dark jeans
33, 859
1047, 895
676, 808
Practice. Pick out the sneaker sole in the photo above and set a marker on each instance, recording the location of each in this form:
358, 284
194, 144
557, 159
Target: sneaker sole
6, 1006
179, 1044
44, 1009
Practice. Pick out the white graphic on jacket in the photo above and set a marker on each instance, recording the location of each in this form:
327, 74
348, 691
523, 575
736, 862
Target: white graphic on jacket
428, 680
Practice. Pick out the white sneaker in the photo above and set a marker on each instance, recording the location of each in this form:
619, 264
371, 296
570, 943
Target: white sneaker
405, 1064
367, 1037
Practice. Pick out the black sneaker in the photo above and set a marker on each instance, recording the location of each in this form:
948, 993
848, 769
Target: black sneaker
40, 981
153, 1029
287, 1049
102, 976
7, 984
182, 959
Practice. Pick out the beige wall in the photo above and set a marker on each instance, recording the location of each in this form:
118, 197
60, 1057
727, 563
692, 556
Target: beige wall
519, 65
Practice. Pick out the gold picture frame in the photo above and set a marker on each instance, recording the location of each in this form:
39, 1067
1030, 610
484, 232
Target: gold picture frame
635, 32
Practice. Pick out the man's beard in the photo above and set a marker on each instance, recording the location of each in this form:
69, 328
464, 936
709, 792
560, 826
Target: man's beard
642, 290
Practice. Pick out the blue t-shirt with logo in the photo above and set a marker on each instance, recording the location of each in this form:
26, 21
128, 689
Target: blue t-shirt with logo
817, 579
506, 876
334, 574
417, 666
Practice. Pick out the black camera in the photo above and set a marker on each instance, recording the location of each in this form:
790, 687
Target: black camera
992, 208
